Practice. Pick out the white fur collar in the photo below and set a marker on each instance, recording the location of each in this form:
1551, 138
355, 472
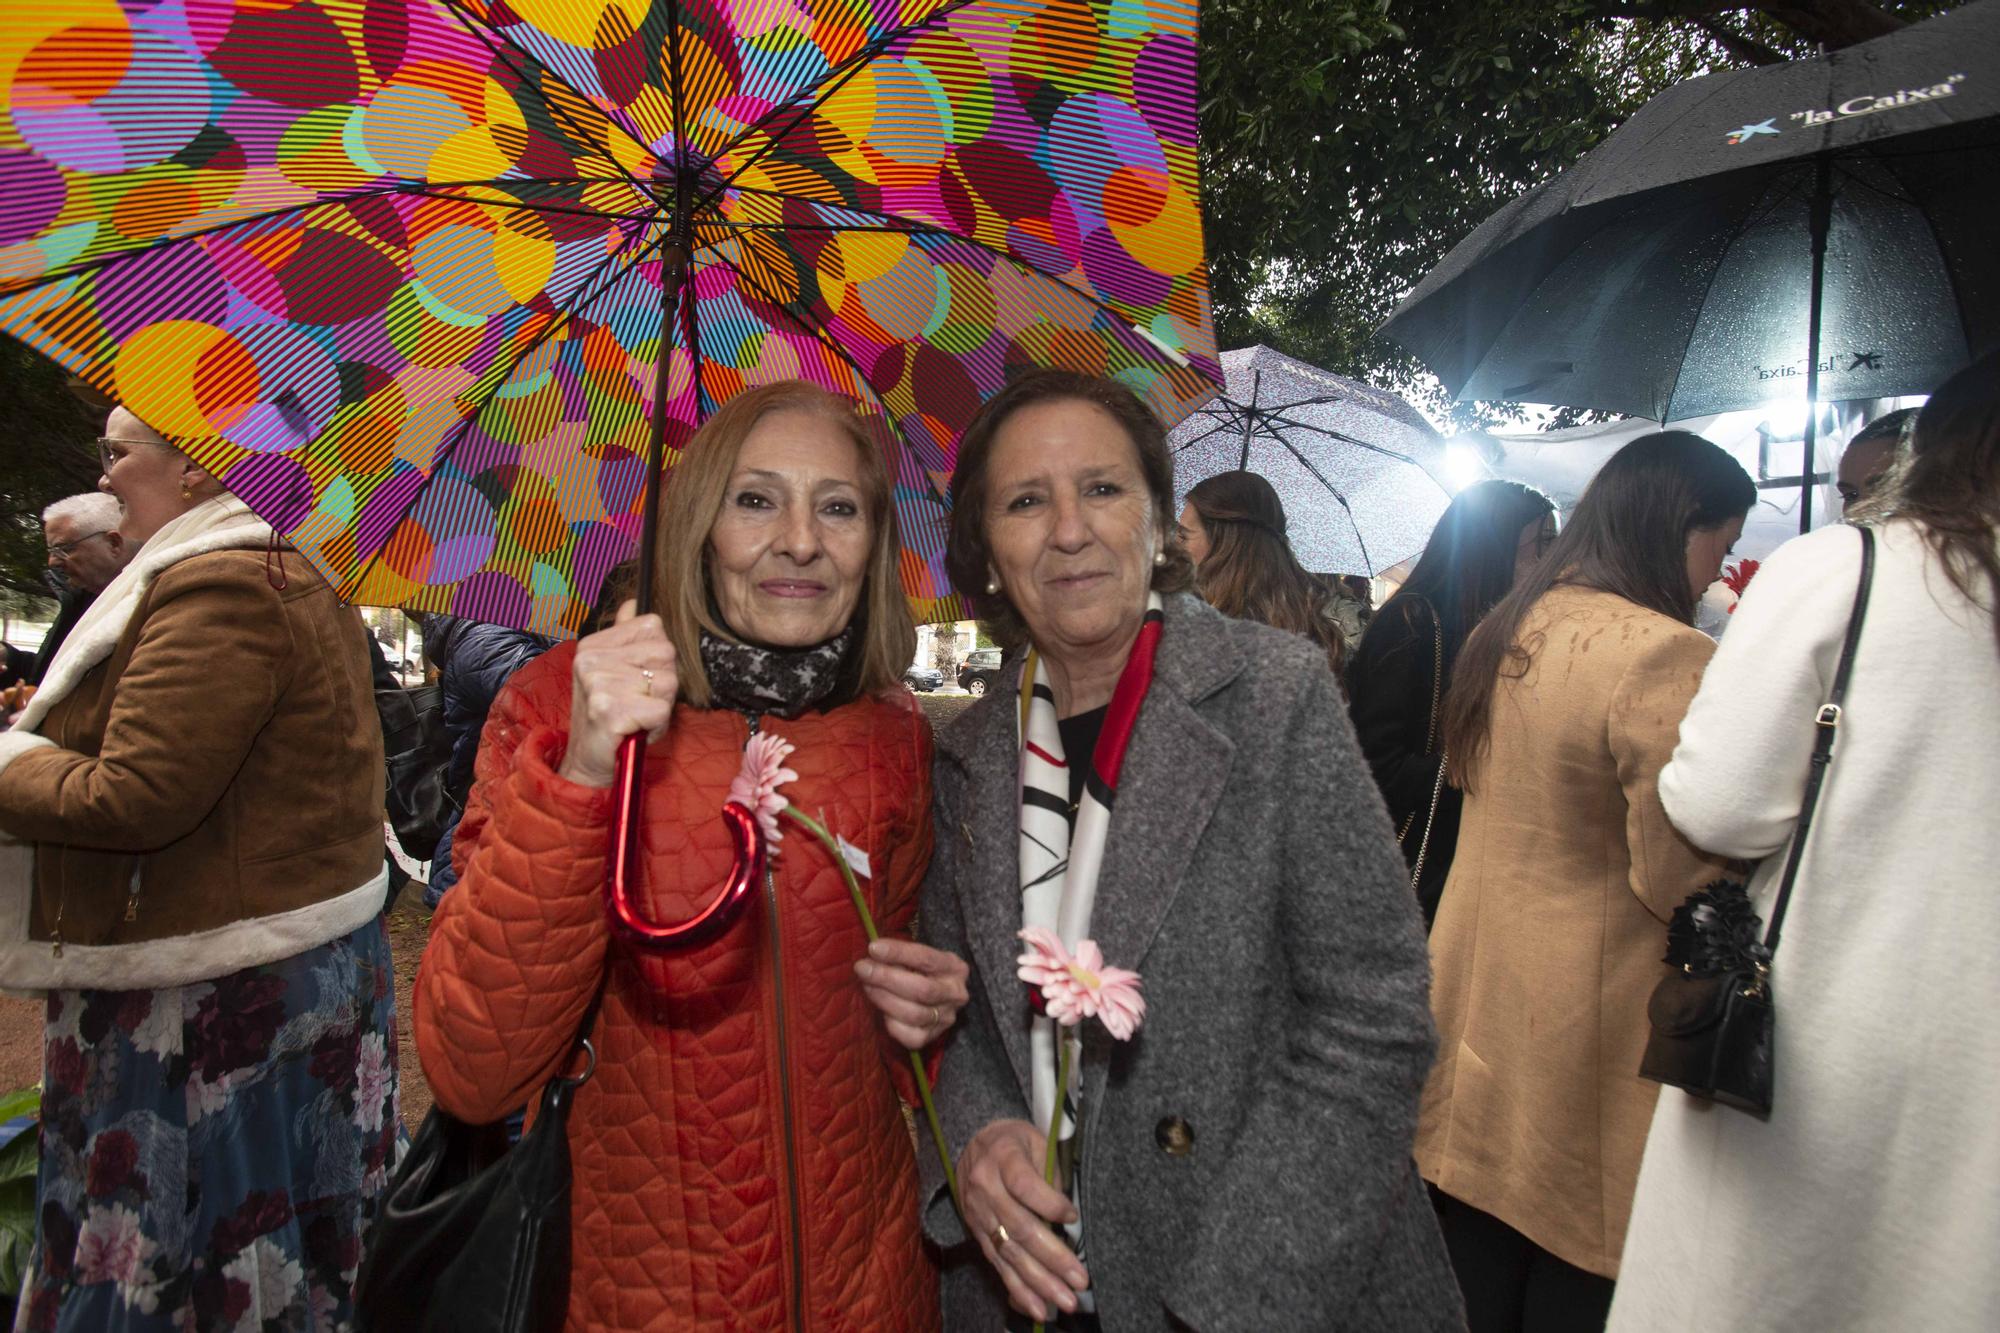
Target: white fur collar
223, 523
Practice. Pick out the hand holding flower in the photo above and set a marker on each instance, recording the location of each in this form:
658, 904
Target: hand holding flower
917, 989
1069, 988
1012, 1211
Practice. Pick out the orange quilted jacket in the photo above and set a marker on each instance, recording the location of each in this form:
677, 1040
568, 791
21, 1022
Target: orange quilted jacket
742, 1157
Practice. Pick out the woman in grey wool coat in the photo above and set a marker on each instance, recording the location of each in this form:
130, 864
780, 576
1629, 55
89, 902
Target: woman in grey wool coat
1184, 789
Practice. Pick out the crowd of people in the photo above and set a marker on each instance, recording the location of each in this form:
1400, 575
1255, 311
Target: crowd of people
1397, 887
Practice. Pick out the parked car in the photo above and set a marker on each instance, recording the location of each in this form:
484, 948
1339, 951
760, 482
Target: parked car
923, 679
979, 670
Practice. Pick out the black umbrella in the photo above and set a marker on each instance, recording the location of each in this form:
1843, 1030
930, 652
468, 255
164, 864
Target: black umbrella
1826, 224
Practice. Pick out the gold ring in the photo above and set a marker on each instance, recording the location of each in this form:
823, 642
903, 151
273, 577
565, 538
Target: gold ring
999, 1235
937, 1017
647, 673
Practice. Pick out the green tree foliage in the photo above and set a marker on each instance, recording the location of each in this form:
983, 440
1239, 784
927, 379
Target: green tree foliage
50, 452
1349, 144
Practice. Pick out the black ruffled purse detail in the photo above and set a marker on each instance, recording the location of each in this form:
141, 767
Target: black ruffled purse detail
1714, 1018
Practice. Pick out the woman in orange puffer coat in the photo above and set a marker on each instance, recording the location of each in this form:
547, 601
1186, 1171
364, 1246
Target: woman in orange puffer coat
743, 1156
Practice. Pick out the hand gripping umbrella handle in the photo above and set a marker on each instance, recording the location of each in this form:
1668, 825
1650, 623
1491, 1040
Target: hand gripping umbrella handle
621, 890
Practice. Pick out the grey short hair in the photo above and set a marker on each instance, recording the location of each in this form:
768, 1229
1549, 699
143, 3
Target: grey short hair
93, 511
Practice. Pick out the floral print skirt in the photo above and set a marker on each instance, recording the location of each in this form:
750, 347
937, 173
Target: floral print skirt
212, 1153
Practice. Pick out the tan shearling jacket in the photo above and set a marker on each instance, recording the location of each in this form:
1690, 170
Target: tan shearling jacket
209, 796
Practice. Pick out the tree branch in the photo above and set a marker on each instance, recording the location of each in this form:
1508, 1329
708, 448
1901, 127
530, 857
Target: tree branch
1830, 23
1736, 44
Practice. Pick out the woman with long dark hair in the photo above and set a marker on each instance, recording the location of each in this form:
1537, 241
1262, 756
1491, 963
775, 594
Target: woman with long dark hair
1886, 1055
1233, 527
1493, 533
1563, 709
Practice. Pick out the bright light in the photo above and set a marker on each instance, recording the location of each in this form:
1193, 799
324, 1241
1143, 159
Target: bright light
1786, 420
1462, 466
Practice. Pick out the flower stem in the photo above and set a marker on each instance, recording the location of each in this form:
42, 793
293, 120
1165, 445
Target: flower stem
813, 826
1055, 1117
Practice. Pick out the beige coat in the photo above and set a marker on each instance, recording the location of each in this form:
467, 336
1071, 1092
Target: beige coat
1549, 937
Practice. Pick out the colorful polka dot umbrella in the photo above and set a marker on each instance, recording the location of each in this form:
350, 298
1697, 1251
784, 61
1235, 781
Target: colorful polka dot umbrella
403, 273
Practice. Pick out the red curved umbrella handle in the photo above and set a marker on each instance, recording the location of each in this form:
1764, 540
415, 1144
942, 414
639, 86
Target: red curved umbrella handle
746, 866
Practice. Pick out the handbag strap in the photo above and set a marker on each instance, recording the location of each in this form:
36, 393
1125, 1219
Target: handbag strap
1826, 724
1430, 730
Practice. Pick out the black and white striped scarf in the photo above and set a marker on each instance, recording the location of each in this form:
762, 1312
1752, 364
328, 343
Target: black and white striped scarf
1060, 862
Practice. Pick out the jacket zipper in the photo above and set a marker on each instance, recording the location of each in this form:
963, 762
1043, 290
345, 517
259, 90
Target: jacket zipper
798, 1255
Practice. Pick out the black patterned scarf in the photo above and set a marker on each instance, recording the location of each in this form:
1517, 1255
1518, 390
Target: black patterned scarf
781, 681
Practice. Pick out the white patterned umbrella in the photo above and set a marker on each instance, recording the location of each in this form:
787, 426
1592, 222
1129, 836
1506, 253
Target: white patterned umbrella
1359, 470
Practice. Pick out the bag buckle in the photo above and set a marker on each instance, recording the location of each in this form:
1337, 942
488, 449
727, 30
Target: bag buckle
1829, 715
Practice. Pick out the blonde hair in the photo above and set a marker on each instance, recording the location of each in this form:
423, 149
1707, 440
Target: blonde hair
692, 499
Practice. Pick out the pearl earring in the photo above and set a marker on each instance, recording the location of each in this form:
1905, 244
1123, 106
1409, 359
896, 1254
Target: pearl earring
1159, 557
187, 493
993, 587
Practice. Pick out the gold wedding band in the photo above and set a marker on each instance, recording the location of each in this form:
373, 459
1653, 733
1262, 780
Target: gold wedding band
937, 1017
647, 673
999, 1235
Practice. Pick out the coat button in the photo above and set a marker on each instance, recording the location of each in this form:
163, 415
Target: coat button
1175, 1136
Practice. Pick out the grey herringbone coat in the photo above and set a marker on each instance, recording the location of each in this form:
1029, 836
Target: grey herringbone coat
1251, 877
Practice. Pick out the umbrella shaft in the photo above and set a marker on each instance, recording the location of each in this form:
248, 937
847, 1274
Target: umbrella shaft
1822, 221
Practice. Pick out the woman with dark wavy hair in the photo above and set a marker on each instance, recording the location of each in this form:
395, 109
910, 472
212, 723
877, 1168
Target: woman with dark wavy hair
1564, 707
1492, 535
1233, 527
1887, 1059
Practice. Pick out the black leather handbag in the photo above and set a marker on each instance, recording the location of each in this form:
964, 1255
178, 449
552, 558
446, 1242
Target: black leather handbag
418, 749
1714, 1019
474, 1236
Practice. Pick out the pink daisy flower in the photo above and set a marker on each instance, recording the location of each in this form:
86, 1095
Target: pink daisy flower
755, 788
1078, 986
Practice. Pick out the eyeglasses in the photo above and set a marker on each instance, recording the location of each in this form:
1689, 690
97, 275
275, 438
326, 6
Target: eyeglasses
106, 444
62, 550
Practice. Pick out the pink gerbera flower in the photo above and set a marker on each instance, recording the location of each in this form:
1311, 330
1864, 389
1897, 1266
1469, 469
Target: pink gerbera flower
755, 788
1077, 986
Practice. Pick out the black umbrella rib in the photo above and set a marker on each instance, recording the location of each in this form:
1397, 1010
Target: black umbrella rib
817, 227
602, 284
1743, 224
399, 189
839, 75
818, 334
524, 207
1341, 499
678, 114
117, 257
480, 30
1344, 438
948, 234
1185, 445
1958, 300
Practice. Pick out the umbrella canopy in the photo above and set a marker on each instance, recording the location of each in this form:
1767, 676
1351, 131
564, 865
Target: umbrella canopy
1357, 469
1670, 273
402, 273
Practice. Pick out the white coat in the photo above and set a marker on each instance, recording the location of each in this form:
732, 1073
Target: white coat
1871, 1198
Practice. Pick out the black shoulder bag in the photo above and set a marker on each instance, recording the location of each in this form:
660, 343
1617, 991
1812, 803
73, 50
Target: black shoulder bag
474, 1236
418, 750
1713, 1020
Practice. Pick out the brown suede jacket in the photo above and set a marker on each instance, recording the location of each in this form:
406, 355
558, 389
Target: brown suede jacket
219, 775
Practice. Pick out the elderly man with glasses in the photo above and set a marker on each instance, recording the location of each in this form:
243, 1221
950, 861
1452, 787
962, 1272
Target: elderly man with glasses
86, 552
